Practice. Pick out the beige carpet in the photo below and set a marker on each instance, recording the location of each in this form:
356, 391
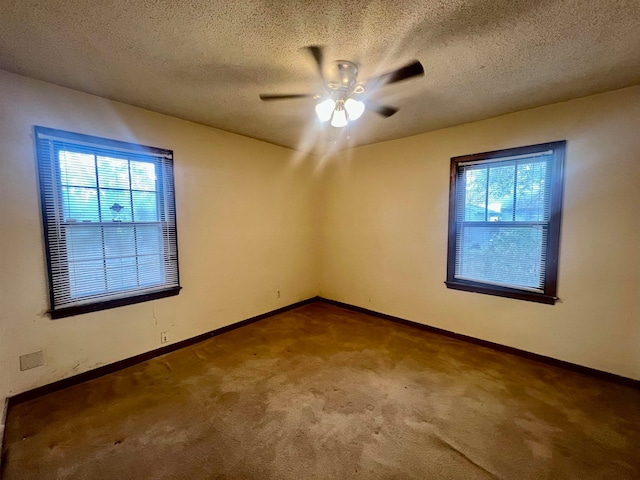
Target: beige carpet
325, 393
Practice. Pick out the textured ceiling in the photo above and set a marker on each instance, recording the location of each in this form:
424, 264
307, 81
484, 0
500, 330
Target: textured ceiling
207, 61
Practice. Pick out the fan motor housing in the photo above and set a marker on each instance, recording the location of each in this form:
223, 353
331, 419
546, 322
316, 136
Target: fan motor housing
342, 75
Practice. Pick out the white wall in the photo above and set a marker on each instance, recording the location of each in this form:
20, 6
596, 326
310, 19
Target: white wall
384, 232
246, 228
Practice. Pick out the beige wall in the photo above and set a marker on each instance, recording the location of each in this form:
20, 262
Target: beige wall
384, 232
369, 229
246, 228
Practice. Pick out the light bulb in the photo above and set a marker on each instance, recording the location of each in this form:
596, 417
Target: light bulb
325, 108
355, 108
339, 119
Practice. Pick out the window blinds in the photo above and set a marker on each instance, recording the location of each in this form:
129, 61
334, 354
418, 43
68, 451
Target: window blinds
502, 220
109, 218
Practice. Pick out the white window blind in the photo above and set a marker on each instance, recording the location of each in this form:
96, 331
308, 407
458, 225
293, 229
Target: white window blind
109, 220
505, 222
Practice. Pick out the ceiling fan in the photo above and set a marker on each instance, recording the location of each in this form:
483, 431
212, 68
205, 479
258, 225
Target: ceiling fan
345, 98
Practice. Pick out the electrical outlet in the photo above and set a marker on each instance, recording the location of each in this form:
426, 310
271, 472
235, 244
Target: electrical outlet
164, 337
31, 360
278, 294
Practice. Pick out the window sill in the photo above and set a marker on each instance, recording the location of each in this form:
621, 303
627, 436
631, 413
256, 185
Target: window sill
118, 302
501, 292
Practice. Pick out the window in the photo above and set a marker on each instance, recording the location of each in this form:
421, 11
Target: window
504, 222
109, 221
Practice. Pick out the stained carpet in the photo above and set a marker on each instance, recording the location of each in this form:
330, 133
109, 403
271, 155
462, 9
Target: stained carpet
320, 392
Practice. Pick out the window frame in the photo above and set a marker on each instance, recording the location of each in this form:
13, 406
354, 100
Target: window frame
549, 293
51, 207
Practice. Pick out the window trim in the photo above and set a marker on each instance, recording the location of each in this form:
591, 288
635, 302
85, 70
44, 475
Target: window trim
549, 295
127, 298
116, 302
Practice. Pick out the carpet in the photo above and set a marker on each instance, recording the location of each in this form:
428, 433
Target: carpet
320, 392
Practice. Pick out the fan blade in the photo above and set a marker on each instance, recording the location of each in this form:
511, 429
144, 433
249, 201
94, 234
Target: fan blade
413, 69
269, 97
381, 109
316, 51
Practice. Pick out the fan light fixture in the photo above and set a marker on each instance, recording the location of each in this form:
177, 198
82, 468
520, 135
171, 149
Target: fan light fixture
338, 103
340, 112
355, 108
339, 118
325, 109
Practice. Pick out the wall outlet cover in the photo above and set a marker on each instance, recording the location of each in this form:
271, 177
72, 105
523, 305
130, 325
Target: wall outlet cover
31, 360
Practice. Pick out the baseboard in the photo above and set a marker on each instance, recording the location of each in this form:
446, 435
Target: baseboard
611, 377
128, 362
3, 422
121, 364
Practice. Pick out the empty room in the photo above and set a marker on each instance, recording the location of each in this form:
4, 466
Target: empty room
320, 240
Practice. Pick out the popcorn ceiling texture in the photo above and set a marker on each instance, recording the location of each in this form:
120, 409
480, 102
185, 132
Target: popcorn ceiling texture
207, 61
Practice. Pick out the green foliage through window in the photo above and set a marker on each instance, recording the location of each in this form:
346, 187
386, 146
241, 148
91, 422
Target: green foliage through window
505, 221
